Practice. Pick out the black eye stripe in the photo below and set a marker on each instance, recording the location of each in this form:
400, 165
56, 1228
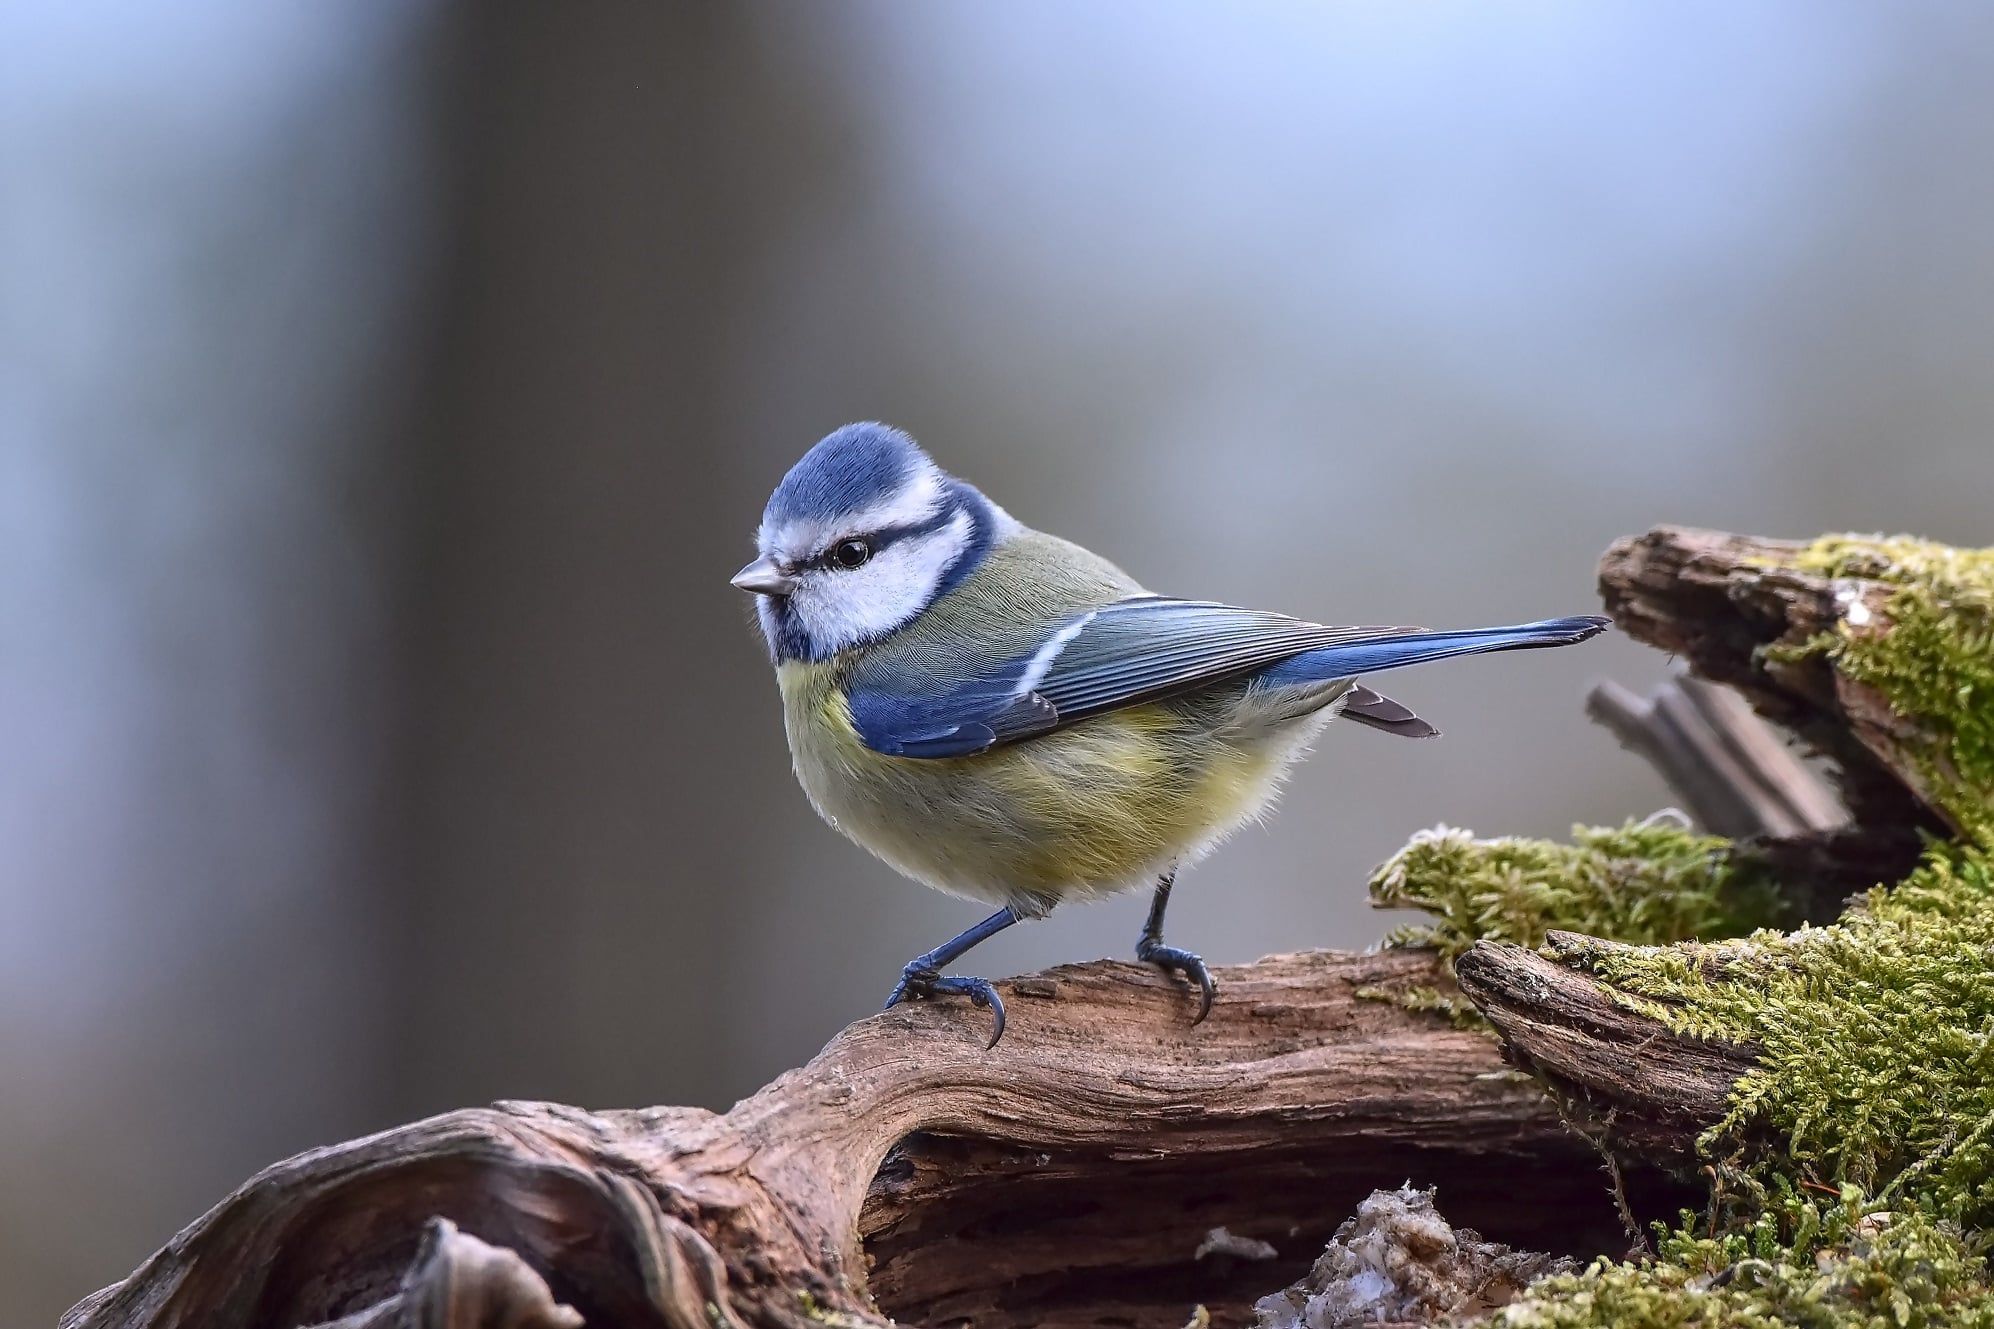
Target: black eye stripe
887, 536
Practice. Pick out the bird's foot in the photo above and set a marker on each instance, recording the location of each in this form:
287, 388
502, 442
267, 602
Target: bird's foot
921, 983
1173, 960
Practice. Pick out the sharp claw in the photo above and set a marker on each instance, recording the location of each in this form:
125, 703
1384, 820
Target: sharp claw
1171, 960
982, 996
1207, 990
922, 986
996, 1005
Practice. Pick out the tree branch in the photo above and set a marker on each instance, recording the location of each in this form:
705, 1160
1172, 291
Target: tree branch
1733, 769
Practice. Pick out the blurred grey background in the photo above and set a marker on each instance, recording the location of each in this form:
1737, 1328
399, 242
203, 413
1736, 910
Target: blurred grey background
387, 391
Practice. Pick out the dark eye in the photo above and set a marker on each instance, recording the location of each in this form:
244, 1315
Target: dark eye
850, 553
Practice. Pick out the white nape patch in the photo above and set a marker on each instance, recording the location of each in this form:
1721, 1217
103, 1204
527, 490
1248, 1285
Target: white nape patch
917, 500
1002, 524
839, 608
1042, 659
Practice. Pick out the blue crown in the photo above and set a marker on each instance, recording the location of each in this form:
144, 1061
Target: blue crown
848, 469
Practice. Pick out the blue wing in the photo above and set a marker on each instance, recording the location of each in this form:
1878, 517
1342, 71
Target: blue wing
1143, 649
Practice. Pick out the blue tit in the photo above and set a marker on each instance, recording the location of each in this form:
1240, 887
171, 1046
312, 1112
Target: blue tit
1002, 715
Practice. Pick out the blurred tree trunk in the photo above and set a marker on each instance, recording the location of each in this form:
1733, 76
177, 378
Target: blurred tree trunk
590, 343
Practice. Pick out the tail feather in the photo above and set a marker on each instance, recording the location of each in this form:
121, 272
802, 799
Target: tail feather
1375, 654
1377, 711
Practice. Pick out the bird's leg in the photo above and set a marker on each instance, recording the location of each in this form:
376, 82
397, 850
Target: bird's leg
922, 976
1149, 947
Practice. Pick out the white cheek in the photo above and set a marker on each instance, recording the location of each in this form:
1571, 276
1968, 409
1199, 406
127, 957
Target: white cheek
840, 609
765, 614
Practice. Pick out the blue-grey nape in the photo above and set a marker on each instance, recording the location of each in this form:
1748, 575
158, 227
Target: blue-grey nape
848, 470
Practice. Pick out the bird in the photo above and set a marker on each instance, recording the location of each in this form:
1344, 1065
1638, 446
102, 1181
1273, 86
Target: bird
1005, 716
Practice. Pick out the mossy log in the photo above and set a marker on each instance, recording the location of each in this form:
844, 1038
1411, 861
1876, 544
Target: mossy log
1652, 1092
1867, 1043
1774, 620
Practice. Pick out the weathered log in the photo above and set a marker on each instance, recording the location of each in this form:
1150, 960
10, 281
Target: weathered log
1623, 1077
1069, 1177
1738, 610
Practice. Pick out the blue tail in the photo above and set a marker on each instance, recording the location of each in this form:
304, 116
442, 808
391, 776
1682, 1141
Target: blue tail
1373, 654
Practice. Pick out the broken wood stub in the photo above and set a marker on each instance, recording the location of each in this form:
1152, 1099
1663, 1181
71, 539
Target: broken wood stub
1739, 611
1627, 1080
1736, 773
1740, 777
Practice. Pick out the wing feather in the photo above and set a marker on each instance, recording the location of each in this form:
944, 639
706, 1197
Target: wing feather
1142, 649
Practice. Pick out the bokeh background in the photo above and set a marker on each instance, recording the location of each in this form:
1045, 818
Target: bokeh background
387, 391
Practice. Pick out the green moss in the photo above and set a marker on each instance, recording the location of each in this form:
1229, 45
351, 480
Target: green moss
1933, 660
1874, 1072
1876, 1038
1799, 1264
1651, 882
1876, 1033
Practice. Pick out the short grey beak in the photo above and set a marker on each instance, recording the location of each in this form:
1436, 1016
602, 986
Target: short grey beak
763, 577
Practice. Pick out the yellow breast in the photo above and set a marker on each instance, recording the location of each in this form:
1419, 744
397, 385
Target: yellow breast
1097, 807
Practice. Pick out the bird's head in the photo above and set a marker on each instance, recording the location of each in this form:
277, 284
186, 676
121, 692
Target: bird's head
862, 535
